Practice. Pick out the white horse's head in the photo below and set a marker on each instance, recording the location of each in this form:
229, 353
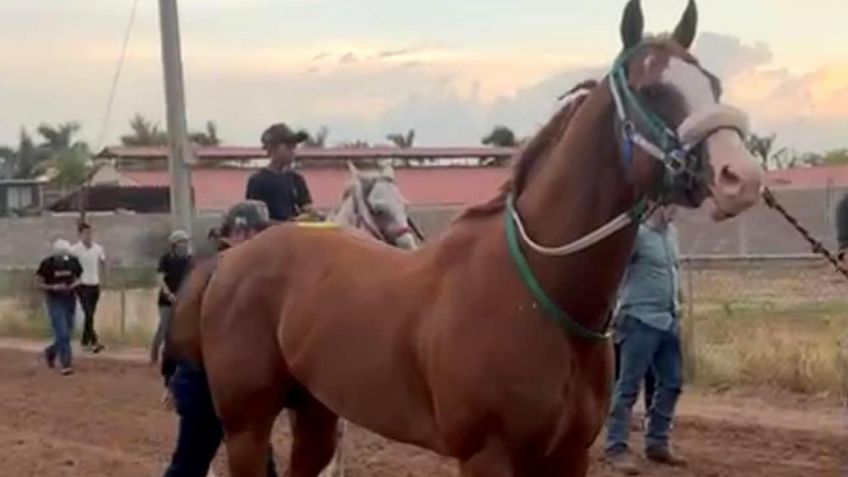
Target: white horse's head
372, 202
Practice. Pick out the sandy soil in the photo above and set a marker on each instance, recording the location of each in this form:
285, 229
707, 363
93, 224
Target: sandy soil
107, 421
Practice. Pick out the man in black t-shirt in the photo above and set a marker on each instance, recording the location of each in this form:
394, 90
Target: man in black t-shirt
58, 275
281, 188
173, 268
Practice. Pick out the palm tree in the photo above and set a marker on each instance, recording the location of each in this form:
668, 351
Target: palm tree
319, 139
501, 136
207, 138
59, 137
402, 141
761, 147
144, 133
68, 159
27, 157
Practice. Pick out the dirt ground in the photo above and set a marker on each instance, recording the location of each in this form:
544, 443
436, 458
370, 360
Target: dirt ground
107, 421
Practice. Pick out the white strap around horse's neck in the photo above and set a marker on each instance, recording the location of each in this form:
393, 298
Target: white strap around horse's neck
695, 129
611, 227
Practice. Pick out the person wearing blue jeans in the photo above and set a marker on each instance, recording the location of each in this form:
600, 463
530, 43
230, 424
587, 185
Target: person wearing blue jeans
187, 387
58, 275
647, 333
200, 432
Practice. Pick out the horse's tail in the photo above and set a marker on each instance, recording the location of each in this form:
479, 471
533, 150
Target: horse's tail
182, 341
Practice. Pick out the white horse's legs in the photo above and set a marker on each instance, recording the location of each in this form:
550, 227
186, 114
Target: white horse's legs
336, 466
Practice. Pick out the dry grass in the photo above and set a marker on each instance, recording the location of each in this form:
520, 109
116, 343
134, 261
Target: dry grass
803, 348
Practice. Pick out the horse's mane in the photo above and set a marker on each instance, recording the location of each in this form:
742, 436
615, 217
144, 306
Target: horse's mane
534, 150
368, 180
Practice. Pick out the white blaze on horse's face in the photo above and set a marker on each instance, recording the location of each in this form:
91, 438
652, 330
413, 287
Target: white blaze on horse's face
390, 209
737, 176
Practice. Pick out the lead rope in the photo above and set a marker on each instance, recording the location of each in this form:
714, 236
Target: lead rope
817, 247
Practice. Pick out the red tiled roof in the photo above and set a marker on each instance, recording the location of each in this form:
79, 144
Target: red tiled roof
218, 189
809, 177
246, 153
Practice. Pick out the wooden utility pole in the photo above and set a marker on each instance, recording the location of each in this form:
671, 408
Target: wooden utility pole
180, 156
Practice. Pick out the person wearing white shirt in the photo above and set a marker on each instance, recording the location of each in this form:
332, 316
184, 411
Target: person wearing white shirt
93, 260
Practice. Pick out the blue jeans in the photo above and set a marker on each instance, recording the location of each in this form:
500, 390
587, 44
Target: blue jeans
61, 310
200, 432
642, 348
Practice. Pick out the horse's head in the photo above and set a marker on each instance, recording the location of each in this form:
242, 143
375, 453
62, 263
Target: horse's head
669, 111
378, 206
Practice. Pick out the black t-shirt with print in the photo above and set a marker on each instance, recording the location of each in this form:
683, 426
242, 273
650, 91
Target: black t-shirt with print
60, 270
284, 193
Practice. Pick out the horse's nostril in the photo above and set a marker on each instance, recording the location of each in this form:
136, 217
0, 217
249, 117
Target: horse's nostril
729, 179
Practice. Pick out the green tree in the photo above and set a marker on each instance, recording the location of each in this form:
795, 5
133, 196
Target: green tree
8, 162
147, 133
206, 138
68, 160
501, 136
144, 133
357, 144
403, 141
835, 157
27, 157
71, 166
319, 139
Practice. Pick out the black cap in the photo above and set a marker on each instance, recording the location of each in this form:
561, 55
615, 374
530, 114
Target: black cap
280, 133
842, 223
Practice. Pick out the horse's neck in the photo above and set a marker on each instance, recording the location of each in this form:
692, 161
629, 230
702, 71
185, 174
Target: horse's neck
345, 215
580, 186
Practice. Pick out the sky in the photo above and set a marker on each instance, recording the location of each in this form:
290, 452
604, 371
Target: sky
450, 69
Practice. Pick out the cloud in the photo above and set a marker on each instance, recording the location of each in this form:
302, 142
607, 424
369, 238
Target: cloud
348, 58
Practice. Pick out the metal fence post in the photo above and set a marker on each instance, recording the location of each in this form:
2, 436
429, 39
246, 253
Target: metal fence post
689, 346
123, 312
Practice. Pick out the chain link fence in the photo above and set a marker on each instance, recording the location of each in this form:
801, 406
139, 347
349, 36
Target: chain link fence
768, 320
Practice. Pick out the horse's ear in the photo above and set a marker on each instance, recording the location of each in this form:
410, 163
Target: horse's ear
354, 172
387, 171
684, 34
632, 24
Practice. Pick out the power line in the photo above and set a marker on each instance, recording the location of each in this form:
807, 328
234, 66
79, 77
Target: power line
116, 77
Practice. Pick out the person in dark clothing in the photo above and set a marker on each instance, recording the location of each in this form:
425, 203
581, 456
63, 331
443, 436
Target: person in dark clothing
842, 228
173, 268
279, 186
187, 387
59, 275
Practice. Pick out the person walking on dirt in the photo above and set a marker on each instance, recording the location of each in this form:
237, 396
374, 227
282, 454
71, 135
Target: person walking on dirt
93, 260
279, 186
648, 333
186, 386
172, 269
59, 275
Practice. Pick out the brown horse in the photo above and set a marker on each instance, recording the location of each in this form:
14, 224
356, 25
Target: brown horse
484, 346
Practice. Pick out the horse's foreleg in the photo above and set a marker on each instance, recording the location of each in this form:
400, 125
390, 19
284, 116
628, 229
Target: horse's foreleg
314, 429
493, 460
336, 467
247, 448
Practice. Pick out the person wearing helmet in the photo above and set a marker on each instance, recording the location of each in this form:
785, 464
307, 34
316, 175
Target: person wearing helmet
279, 186
58, 276
186, 384
241, 222
173, 268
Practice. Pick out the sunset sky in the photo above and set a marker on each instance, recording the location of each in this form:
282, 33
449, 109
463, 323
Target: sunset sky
451, 69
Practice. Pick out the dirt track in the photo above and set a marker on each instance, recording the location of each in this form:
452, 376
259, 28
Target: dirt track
106, 421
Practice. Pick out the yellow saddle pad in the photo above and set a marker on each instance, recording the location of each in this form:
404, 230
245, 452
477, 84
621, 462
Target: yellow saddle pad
317, 225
